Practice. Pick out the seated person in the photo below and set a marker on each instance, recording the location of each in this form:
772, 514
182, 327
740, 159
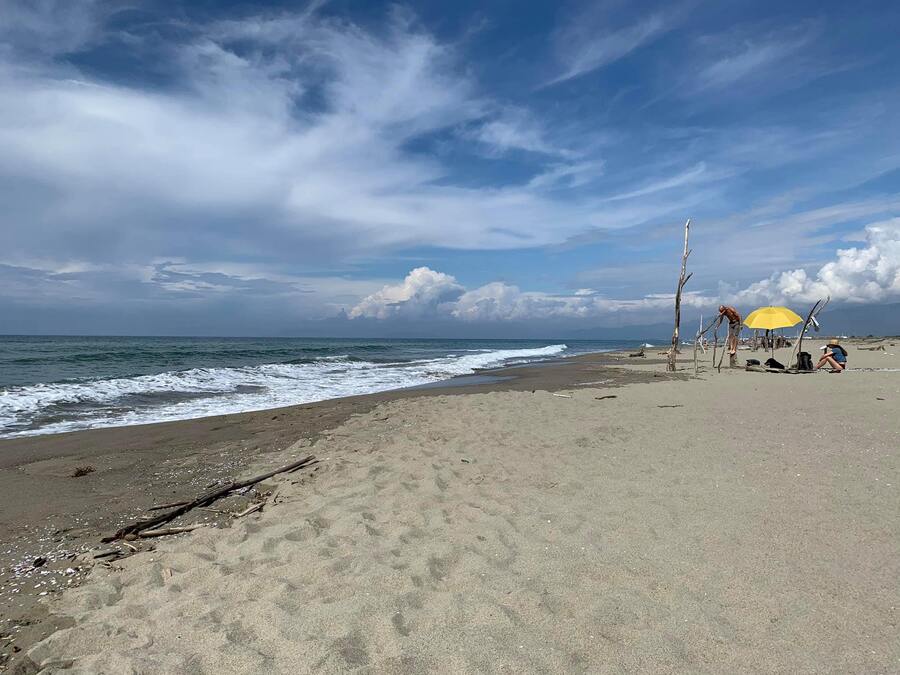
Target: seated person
834, 356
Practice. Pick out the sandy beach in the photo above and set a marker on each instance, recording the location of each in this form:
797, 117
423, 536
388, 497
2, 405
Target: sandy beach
593, 516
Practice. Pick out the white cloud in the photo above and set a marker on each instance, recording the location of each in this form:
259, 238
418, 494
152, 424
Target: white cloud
867, 274
745, 61
425, 293
586, 43
760, 60
695, 174
422, 293
567, 175
515, 129
113, 171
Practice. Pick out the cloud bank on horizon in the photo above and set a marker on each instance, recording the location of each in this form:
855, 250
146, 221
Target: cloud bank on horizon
868, 274
225, 168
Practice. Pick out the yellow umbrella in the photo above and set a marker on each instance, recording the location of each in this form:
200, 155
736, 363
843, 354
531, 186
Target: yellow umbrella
771, 318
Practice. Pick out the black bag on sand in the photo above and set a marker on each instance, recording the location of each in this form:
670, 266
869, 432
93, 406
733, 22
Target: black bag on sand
804, 361
752, 362
772, 363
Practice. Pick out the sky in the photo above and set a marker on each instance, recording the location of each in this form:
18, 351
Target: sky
426, 168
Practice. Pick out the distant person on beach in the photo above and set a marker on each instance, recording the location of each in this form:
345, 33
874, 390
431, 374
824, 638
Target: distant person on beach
834, 356
734, 326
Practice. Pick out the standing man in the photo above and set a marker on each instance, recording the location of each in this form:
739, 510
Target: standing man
734, 326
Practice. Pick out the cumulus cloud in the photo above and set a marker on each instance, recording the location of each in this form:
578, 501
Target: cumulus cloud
866, 274
425, 293
869, 274
422, 293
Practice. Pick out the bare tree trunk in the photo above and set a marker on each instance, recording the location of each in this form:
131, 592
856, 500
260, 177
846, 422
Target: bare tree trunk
682, 280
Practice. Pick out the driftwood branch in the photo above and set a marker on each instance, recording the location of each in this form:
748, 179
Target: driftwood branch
682, 280
250, 509
168, 530
140, 527
721, 358
816, 308
172, 505
699, 337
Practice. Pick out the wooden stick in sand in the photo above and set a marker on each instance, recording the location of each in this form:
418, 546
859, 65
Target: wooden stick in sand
250, 509
697, 340
816, 308
682, 280
139, 527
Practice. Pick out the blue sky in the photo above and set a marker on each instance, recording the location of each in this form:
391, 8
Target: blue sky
274, 168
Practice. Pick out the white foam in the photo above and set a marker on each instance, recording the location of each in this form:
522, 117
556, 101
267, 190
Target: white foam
220, 389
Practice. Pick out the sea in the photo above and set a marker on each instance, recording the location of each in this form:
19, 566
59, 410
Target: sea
56, 384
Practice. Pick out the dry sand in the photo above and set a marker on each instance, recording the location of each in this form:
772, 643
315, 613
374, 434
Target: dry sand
753, 528
48, 514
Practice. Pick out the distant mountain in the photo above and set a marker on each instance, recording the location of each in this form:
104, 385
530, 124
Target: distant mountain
836, 320
653, 333
861, 320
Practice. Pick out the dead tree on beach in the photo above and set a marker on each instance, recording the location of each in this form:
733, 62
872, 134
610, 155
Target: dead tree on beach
682, 280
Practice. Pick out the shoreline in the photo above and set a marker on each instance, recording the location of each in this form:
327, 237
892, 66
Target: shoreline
45, 510
44, 400
660, 511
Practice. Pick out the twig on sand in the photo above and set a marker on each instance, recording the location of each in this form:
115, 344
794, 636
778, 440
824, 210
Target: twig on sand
250, 509
160, 507
677, 405
562, 395
600, 398
169, 530
140, 526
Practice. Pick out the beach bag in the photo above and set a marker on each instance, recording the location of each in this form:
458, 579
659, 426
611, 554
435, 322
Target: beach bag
804, 361
752, 362
772, 363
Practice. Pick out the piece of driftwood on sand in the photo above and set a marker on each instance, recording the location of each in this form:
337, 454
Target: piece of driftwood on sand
816, 309
683, 278
171, 505
250, 509
699, 337
146, 534
206, 498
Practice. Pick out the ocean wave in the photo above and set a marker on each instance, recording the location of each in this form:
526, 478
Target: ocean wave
200, 392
